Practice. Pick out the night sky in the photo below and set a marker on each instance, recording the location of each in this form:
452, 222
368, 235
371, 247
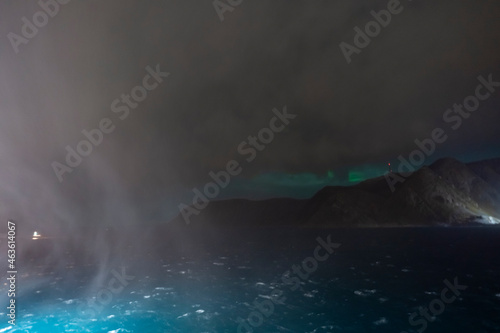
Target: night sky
224, 80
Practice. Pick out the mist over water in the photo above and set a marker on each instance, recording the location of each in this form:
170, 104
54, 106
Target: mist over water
89, 229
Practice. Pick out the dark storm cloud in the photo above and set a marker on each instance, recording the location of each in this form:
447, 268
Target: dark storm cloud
226, 77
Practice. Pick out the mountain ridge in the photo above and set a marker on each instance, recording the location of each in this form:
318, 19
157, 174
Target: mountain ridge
445, 193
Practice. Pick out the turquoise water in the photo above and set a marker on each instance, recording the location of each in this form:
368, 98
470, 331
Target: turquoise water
372, 282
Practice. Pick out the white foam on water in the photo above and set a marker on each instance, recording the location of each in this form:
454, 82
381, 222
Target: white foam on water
319, 329
365, 292
264, 296
164, 288
381, 321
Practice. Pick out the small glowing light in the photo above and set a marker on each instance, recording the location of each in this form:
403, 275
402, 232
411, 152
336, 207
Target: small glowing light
36, 235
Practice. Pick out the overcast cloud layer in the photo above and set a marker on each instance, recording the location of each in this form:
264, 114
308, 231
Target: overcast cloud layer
225, 79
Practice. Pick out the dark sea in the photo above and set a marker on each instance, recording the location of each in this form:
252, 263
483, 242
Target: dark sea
274, 280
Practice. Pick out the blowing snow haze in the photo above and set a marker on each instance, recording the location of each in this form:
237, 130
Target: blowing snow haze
161, 93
